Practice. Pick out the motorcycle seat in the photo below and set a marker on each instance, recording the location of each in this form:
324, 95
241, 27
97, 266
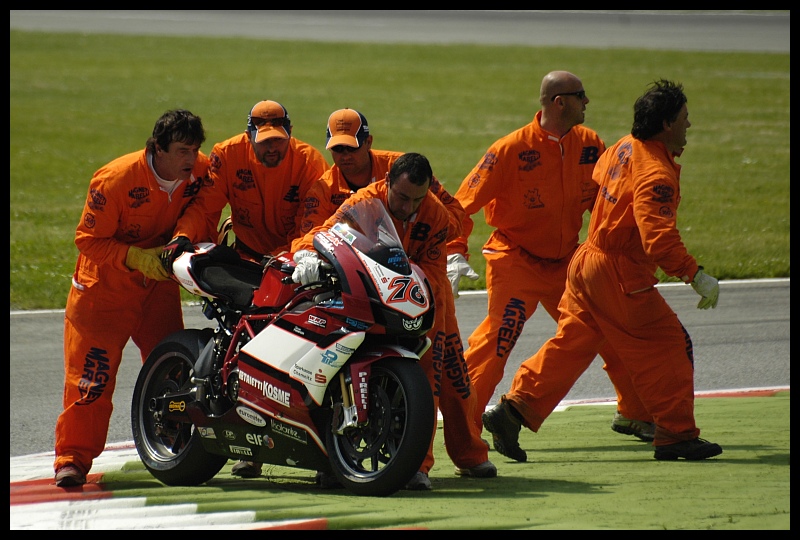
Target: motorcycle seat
225, 275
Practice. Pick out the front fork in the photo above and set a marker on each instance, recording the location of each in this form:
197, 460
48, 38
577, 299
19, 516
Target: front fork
354, 384
345, 411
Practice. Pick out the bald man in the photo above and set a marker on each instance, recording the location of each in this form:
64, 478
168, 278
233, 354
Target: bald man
534, 184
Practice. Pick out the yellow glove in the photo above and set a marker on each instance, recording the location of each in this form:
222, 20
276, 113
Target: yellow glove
147, 261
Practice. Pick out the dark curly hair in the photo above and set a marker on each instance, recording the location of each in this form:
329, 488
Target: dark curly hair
661, 102
178, 125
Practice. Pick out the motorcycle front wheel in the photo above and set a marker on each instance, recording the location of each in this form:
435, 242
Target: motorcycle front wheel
171, 450
380, 457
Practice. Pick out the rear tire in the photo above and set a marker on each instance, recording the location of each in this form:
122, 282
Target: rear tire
379, 458
171, 451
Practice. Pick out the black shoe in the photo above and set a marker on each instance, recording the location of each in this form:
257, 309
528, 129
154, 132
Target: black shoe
505, 428
327, 480
419, 482
693, 450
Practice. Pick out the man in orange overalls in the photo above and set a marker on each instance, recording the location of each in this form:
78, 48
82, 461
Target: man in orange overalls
263, 174
610, 293
419, 221
120, 290
535, 185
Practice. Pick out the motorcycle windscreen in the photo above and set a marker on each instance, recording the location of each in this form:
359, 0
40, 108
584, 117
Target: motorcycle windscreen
368, 228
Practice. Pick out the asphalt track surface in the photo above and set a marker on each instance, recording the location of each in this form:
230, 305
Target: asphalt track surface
743, 343
742, 346
691, 30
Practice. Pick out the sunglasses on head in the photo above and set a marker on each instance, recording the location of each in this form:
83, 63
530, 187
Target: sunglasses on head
340, 149
580, 94
274, 122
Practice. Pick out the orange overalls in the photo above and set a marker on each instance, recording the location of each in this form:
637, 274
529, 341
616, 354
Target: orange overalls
325, 196
108, 303
265, 202
534, 189
611, 296
424, 237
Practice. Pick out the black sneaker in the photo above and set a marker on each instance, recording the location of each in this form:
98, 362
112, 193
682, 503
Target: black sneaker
505, 428
693, 450
327, 480
419, 482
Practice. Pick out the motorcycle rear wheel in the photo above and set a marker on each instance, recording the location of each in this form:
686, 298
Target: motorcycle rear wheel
378, 459
170, 450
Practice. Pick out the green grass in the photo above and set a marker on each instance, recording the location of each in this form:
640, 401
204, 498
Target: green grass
78, 101
580, 475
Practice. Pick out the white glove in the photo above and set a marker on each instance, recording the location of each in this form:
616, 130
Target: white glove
458, 266
307, 269
707, 287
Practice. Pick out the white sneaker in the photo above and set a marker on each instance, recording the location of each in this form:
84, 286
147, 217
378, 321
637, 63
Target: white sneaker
645, 431
483, 470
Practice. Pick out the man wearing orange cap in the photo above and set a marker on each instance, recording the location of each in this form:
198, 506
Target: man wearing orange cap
355, 166
263, 174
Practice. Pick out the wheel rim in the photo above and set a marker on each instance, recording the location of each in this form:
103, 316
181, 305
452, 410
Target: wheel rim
163, 438
365, 451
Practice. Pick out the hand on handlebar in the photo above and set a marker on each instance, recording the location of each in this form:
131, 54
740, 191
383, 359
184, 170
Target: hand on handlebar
173, 250
307, 269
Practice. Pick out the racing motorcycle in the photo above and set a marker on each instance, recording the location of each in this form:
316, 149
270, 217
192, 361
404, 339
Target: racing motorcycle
323, 376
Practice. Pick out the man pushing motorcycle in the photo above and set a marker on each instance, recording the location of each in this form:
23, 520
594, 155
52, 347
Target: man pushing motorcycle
422, 222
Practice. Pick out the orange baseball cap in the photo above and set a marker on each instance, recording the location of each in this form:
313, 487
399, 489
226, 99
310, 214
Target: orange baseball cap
348, 127
268, 120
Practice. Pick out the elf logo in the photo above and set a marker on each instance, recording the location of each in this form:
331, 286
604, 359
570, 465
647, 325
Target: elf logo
259, 440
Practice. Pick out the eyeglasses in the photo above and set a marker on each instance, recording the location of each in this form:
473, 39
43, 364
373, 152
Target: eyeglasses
340, 149
580, 94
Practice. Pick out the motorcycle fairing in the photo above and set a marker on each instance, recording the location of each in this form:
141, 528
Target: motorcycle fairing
303, 360
398, 299
294, 441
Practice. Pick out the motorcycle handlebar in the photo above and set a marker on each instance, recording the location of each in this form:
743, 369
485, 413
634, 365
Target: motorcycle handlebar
327, 272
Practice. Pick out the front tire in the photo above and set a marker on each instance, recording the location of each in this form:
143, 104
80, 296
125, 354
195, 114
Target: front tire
171, 450
379, 458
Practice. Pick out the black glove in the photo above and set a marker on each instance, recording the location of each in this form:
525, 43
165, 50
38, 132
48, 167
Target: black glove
173, 250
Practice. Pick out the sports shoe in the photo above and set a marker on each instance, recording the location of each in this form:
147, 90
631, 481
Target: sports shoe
505, 428
70, 476
483, 470
419, 482
645, 431
327, 480
693, 450
247, 469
